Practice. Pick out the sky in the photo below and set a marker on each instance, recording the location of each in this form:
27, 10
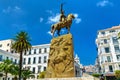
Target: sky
36, 17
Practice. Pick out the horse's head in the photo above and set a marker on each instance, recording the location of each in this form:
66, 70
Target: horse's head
71, 16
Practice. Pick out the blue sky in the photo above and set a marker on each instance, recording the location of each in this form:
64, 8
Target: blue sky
36, 17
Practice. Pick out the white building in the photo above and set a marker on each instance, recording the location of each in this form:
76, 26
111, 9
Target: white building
6, 45
78, 66
108, 49
11, 56
36, 58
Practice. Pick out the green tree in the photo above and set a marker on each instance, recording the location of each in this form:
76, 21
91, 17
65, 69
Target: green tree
5, 67
14, 71
42, 74
117, 74
22, 44
26, 74
119, 35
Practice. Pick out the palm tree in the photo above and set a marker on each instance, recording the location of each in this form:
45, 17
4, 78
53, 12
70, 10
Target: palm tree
15, 71
5, 67
119, 35
21, 45
26, 74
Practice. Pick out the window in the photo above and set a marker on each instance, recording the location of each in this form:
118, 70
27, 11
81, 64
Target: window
34, 51
118, 57
39, 61
28, 67
44, 68
8, 78
11, 51
0, 57
117, 50
24, 61
102, 33
119, 66
115, 40
112, 31
7, 57
108, 59
107, 50
7, 50
0, 45
11, 59
39, 50
25, 52
29, 51
39, 69
15, 61
45, 50
34, 60
8, 44
105, 41
110, 68
45, 59
33, 69
29, 60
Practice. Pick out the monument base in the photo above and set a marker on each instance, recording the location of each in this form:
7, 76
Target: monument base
61, 59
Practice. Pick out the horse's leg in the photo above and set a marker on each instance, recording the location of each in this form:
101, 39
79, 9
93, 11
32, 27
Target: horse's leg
53, 33
58, 32
68, 29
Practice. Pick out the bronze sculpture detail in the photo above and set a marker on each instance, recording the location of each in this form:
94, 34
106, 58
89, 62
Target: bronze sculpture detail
64, 22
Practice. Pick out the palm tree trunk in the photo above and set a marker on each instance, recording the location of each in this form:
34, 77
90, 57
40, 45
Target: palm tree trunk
15, 78
24, 78
20, 65
5, 76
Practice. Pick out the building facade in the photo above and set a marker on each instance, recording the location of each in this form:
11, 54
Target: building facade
78, 66
108, 47
36, 59
6, 45
11, 56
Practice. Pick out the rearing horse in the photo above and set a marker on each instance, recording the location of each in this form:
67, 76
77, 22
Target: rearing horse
67, 23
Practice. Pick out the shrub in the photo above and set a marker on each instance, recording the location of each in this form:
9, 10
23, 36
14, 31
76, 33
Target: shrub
42, 74
95, 75
117, 74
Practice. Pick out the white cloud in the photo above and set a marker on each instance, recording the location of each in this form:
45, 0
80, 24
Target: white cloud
49, 11
77, 19
7, 10
53, 19
41, 19
49, 33
104, 3
10, 9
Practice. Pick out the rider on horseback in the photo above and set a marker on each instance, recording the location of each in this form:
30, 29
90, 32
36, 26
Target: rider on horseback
62, 16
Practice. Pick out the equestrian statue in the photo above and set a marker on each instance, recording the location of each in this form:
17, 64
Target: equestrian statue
64, 22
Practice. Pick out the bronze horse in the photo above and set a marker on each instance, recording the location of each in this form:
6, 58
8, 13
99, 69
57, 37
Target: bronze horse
67, 23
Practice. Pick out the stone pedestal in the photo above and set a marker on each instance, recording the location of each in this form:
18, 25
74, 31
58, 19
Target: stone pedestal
61, 59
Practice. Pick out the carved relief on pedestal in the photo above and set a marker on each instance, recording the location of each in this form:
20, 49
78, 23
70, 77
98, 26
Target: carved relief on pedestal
61, 59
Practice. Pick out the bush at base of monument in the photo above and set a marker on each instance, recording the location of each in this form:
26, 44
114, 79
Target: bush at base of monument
42, 75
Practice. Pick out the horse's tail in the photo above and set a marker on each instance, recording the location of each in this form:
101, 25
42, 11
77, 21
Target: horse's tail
52, 28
